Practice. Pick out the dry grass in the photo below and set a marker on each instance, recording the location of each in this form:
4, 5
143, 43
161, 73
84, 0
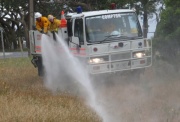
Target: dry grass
23, 97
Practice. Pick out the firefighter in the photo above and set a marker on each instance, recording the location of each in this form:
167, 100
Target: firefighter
42, 23
54, 25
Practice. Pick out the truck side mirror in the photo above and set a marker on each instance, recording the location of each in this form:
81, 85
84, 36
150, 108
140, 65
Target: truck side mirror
78, 30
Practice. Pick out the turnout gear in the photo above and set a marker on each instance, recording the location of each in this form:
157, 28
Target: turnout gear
42, 23
54, 23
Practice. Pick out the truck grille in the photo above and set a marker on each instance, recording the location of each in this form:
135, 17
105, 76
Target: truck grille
115, 57
120, 56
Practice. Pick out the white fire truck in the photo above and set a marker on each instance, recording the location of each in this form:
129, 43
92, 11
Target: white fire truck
108, 40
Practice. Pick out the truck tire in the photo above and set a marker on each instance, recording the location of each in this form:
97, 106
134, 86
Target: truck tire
40, 66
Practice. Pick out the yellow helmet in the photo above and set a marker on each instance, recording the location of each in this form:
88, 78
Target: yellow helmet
50, 17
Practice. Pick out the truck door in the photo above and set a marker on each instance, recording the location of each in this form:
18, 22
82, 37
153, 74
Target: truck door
77, 44
78, 31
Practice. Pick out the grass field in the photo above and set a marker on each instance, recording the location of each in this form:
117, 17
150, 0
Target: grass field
23, 98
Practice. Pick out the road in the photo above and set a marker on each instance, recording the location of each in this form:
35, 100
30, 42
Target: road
13, 54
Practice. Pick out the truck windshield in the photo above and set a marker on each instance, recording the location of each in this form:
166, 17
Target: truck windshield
116, 24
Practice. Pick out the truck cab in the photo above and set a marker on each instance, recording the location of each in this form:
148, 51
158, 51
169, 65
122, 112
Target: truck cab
106, 41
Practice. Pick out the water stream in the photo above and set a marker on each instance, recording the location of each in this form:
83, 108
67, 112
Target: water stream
64, 72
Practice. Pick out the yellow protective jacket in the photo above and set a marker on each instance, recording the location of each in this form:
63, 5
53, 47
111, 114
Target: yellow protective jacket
43, 24
54, 25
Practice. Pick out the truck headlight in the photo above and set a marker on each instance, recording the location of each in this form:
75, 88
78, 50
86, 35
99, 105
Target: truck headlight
96, 60
138, 54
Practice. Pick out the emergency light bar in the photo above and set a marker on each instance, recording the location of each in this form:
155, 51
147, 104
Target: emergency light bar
79, 9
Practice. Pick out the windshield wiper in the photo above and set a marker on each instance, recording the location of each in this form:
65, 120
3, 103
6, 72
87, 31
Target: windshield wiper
120, 37
107, 37
137, 37
125, 38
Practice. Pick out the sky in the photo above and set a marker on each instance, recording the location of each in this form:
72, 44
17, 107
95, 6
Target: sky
152, 21
152, 26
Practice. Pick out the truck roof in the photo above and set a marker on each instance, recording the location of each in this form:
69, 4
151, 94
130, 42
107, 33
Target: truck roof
98, 12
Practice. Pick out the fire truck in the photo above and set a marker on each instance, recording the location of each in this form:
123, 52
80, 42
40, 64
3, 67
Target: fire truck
108, 41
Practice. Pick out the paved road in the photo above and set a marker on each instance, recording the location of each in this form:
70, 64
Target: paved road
13, 54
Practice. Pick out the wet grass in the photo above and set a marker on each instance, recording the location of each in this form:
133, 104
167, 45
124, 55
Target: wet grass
23, 98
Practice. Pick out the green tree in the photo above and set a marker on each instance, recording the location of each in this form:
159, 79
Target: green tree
167, 36
145, 8
12, 20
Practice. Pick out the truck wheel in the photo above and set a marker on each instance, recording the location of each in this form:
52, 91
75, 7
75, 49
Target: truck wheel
40, 67
40, 71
